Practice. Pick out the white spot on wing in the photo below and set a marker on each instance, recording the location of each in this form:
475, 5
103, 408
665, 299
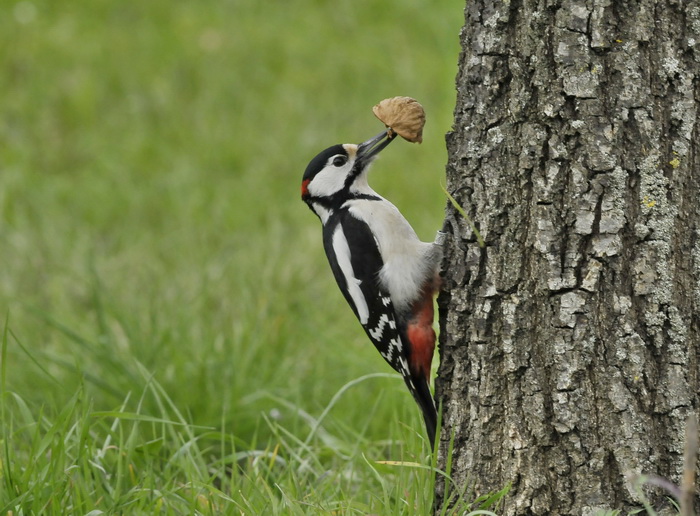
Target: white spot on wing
379, 330
342, 254
404, 368
388, 355
400, 365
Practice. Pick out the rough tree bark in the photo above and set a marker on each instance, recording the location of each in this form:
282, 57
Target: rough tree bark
570, 344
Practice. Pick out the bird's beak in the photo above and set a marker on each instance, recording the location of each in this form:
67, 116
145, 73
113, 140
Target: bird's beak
369, 149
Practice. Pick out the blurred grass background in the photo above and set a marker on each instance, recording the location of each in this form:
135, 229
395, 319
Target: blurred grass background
159, 272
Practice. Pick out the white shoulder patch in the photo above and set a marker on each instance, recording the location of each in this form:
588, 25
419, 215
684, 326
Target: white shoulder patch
342, 254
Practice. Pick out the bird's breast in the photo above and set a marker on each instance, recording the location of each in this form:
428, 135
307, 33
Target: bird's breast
406, 267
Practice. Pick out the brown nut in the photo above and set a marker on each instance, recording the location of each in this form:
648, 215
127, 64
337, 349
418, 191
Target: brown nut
402, 115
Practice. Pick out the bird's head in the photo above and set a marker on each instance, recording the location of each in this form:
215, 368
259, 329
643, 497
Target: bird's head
334, 172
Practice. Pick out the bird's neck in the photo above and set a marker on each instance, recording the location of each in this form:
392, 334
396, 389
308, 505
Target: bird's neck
361, 188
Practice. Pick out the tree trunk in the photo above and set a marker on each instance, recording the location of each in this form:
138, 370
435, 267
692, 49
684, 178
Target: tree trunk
570, 343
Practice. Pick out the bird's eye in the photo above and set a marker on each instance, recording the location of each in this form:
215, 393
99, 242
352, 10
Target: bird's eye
339, 161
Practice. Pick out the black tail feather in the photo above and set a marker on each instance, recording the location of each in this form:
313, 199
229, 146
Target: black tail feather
421, 393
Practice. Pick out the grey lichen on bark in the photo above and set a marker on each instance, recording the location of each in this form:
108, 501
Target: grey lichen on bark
570, 344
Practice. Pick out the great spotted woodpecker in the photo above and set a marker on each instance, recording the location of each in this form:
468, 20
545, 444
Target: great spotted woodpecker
387, 275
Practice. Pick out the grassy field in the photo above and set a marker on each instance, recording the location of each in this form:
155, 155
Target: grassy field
172, 338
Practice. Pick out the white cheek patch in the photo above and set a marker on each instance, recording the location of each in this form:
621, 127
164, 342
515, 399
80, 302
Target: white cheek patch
332, 179
342, 254
327, 182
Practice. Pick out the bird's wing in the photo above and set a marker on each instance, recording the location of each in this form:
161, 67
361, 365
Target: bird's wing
355, 260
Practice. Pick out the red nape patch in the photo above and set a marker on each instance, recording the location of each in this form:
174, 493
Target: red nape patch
305, 188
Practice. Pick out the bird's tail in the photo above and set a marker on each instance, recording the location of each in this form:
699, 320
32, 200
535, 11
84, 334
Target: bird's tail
421, 393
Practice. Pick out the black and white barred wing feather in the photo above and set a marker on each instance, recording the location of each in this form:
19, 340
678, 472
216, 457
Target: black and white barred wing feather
355, 260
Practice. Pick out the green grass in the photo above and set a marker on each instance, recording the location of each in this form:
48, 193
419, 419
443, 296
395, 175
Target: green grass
174, 342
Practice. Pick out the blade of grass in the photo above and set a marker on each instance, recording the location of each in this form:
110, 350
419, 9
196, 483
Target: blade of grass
339, 394
33, 359
463, 213
6, 462
690, 455
134, 416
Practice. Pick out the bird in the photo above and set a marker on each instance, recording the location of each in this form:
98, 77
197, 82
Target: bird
386, 273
